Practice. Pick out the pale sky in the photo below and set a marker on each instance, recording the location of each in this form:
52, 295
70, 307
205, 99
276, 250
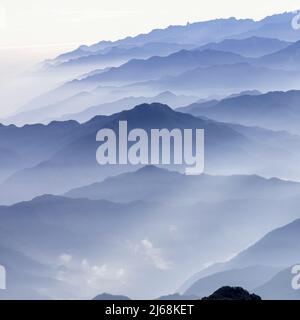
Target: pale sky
73, 22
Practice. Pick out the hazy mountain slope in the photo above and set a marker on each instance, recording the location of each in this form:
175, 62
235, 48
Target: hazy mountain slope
249, 47
192, 33
279, 287
29, 279
156, 67
276, 26
84, 106
68, 219
228, 78
8, 158
25, 146
278, 248
227, 151
75, 103
142, 231
118, 55
287, 58
85, 231
75, 163
249, 278
97, 233
195, 34
154, 184
86, 61
77, 53
274, 110
9, 162
126, 103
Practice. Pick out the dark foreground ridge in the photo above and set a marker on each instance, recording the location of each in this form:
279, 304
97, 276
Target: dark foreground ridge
232, 293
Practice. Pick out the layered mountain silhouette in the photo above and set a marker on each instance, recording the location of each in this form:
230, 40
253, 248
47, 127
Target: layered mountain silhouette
276, 26
68, 159
82, 227
75, 152
166, 97
157, 67
83, 60
84, 106
276, 250
45, 216
249, 277
196, 61
250, 47
230, 77
71, 228
287, 58
279, 287
193, 33
154, 184
275, 110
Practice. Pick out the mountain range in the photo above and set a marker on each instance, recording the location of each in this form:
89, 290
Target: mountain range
156, 67
84, 106
263, 264
71, 228
253, 47
287, 58
159, 185
106, 233
68, 158
113, 56
276, 26
274, 110
227, 66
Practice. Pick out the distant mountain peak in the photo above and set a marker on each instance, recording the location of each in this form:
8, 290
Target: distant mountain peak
107, 296
232, 293
151, 169
152, 107
166, 94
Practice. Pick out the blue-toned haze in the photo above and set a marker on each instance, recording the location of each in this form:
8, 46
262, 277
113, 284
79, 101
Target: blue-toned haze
74, 229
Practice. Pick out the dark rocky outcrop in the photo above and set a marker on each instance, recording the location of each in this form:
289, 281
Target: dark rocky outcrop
232, 293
